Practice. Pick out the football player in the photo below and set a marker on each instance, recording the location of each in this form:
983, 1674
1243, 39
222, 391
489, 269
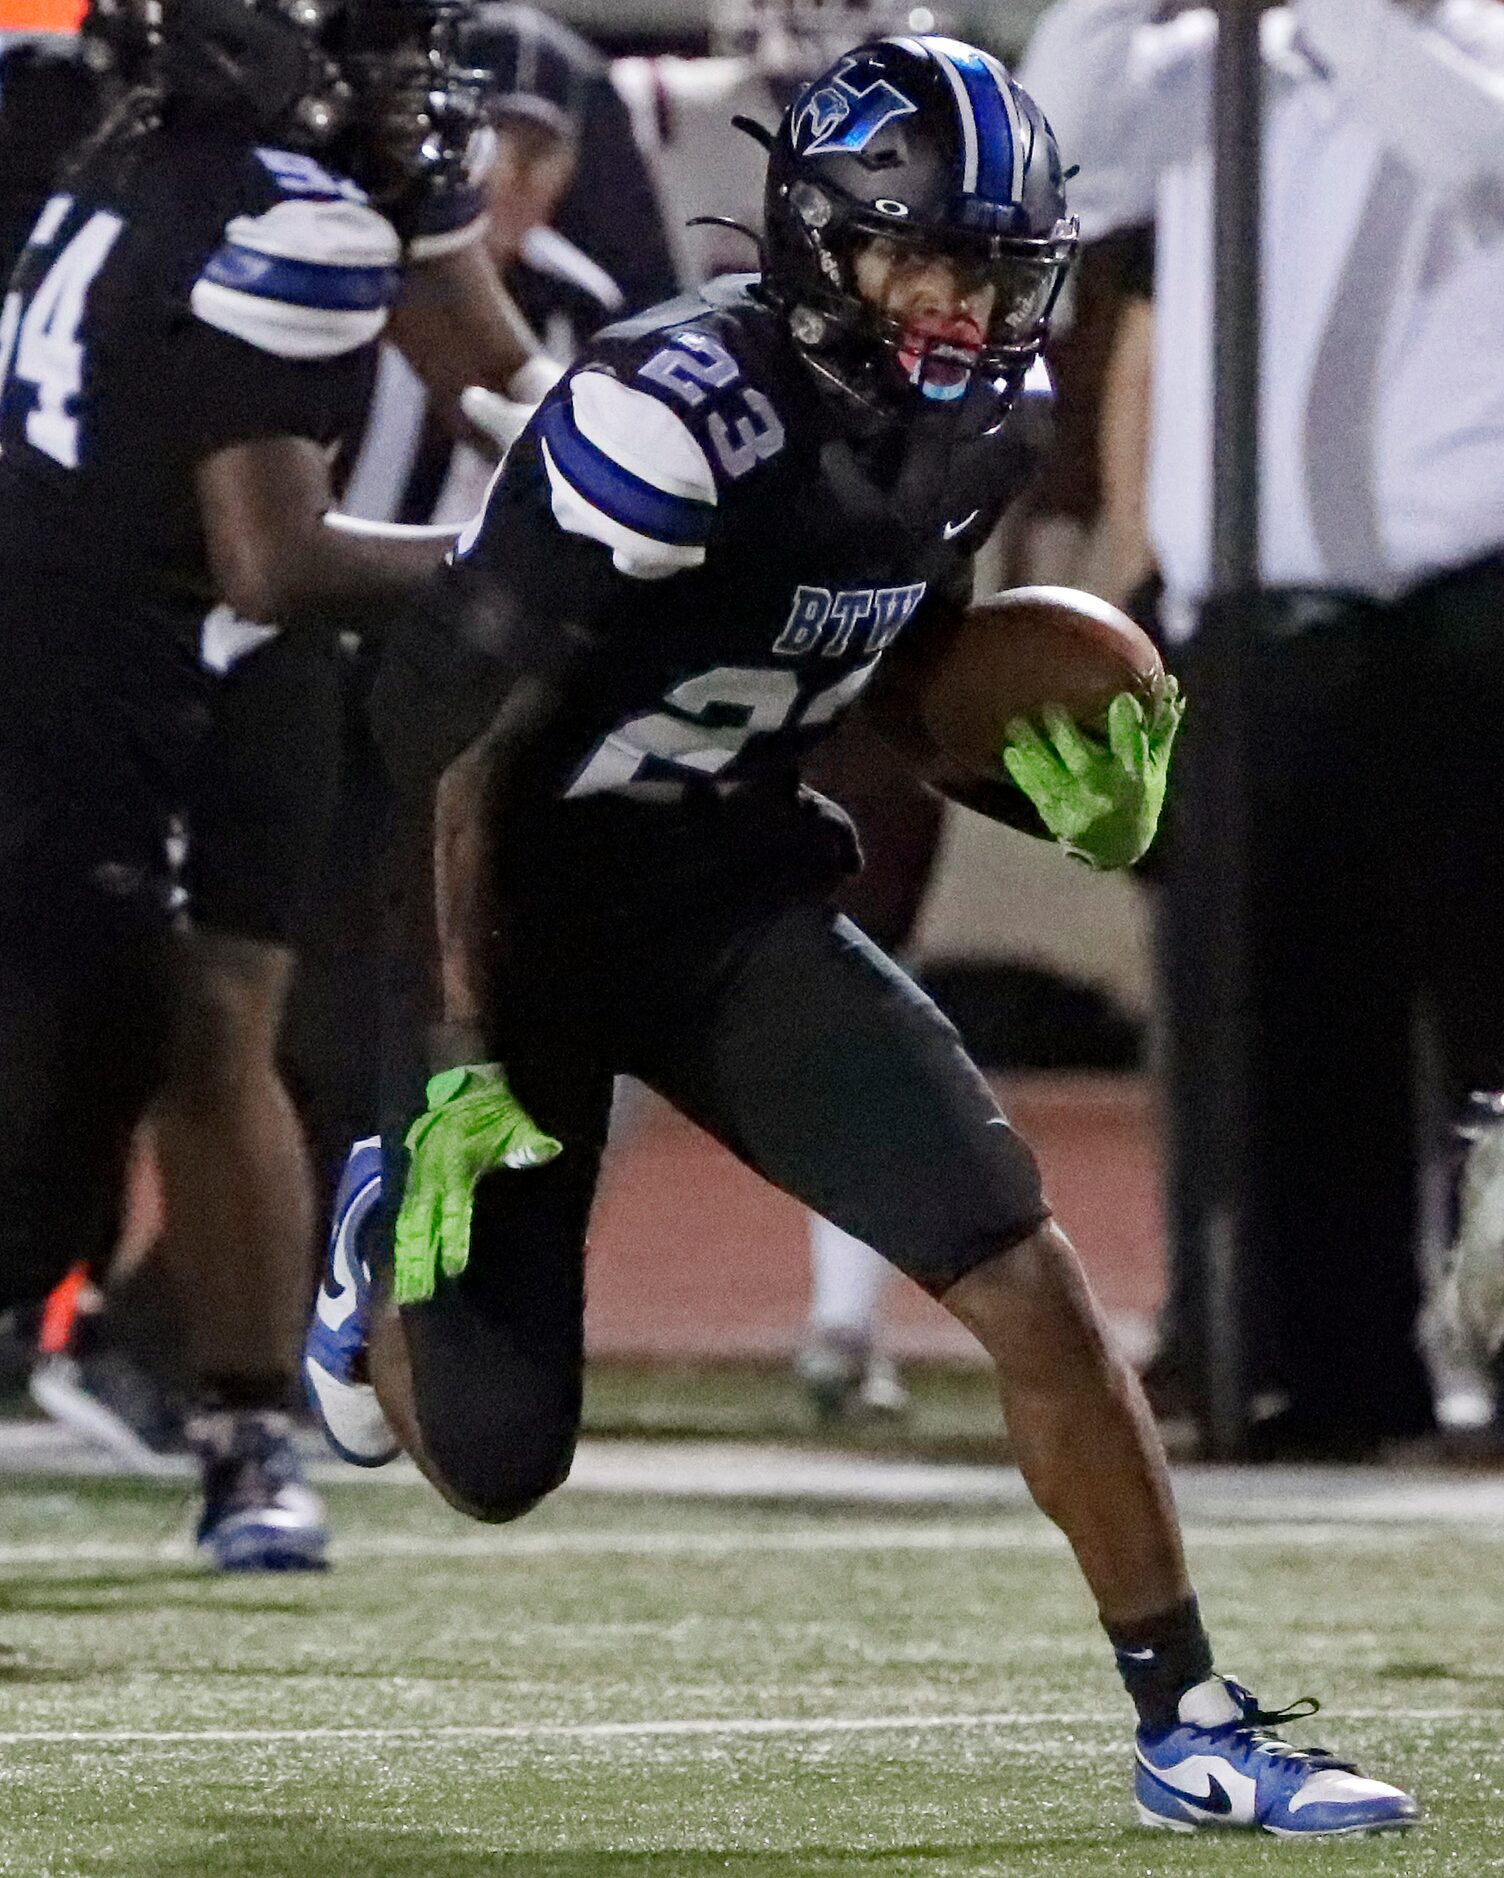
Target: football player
188, 336
688, 569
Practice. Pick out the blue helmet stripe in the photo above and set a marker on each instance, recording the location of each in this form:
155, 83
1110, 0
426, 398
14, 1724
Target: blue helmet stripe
302, 283
625, 499
994, 135
994, 130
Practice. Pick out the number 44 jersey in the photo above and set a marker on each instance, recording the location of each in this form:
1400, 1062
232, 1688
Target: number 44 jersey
686, 498
181, 292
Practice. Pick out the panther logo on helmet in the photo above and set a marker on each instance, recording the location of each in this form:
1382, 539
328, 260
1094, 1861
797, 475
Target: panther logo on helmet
842, 114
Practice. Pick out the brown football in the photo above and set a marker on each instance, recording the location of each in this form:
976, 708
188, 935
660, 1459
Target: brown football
946, 697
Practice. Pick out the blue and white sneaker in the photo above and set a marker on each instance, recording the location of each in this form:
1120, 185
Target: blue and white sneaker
334, 1349
260, 1515
1223, 1765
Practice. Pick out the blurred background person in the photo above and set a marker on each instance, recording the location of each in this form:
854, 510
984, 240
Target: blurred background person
1376, 821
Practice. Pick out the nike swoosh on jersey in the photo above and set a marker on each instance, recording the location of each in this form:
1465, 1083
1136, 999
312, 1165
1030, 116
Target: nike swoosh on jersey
1216, 1799
952, 529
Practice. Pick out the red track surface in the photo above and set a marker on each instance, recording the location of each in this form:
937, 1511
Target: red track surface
693, 1257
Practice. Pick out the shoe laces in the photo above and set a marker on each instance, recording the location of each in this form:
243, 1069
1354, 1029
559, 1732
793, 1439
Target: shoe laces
1258, 1726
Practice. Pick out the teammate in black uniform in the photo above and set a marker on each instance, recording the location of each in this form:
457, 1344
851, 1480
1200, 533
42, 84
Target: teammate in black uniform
188, 335
689, 568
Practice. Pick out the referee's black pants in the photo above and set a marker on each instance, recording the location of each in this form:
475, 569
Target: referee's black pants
1376, 840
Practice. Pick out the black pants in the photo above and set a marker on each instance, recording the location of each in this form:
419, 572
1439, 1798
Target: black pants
800, 1047
1376, 836
87, 985
94, 735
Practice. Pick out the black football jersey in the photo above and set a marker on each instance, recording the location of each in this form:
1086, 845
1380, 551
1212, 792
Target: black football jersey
50, 99
684, 496
181, 291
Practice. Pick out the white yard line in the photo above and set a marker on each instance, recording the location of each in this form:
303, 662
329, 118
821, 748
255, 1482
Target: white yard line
743, 1471
1036, 1539
688, 1729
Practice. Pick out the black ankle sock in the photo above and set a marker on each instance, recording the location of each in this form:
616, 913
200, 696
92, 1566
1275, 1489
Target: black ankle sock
1159, 1658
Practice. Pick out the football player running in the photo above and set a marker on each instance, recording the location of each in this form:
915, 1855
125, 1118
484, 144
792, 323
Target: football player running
687, 570
189, 335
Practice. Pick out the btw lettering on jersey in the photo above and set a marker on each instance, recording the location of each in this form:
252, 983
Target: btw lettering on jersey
874, 614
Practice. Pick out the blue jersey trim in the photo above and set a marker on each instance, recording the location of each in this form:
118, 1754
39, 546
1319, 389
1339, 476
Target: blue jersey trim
680, 521
303, 283
994, 132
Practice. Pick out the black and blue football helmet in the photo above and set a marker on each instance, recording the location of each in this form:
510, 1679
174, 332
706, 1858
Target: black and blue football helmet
380, 83
928, 144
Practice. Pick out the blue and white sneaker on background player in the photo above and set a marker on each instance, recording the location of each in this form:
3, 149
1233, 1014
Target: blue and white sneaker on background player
260, 1514
334, 1349
1224, 1766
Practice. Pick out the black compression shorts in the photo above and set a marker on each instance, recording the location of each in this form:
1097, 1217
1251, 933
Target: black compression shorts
261, 794
810, 1055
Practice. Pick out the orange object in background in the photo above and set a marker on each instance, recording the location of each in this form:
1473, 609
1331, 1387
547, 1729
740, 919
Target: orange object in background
60, 1313
40, 16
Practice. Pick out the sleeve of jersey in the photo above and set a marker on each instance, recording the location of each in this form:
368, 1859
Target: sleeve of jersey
626, 471
309, 278
444, 222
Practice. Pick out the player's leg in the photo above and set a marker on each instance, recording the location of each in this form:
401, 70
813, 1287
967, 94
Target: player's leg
832, 1074
87, 965
240, 1235
840, 1364
237, 1250
239, 1231
818, 1061
482, 1382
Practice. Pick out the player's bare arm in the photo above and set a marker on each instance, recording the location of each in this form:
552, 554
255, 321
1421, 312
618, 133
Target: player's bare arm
458, 326
272, 555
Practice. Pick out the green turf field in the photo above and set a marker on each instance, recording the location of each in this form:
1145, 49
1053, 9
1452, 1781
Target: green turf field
619, 1686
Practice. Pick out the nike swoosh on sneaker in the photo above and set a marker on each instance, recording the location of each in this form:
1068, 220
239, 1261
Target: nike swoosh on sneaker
1216, 1800
338, 1295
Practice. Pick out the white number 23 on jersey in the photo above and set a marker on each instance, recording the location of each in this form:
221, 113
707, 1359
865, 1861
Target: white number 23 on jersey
744, 430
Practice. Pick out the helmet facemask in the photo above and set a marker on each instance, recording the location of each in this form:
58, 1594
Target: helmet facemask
417, 108
891, 364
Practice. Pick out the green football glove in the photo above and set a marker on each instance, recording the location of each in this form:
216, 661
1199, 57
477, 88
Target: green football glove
1101, 803
472, 1125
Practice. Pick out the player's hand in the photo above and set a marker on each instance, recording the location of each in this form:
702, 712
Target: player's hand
1102, 802
473, 1125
